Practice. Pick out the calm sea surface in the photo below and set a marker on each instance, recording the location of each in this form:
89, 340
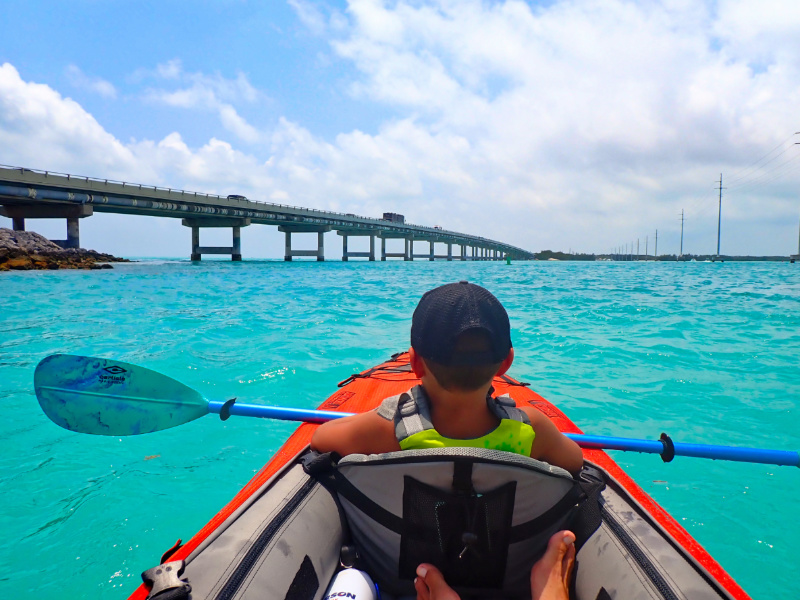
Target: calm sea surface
708, 352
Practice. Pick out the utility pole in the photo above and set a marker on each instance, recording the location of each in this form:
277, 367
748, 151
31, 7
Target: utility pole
655, 252
719, 217
681, 254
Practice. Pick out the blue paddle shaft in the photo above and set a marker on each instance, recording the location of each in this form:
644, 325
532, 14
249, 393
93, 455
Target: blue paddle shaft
277, 412
753, 455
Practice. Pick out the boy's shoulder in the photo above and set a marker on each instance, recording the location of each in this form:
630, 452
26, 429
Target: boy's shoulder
533, 414
364, 433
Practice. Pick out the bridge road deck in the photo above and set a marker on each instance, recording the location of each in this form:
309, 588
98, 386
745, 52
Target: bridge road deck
33, 194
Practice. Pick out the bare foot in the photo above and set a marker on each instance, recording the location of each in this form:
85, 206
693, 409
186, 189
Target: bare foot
551, 574
430, 584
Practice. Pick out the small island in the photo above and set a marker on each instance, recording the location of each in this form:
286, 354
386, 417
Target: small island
26, 250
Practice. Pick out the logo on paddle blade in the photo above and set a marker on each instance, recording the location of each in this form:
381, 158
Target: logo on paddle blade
115, 376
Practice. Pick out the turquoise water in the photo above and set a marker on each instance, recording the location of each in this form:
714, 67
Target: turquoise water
707, 352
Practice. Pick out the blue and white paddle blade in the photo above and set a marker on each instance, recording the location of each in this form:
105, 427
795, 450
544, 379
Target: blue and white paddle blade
110, 397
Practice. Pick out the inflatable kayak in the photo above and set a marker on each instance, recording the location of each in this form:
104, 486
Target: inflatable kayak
288, 532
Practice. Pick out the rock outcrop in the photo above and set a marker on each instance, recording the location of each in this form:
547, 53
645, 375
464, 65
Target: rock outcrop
26, 250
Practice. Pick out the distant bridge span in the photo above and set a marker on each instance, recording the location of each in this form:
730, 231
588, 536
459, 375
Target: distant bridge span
33, 194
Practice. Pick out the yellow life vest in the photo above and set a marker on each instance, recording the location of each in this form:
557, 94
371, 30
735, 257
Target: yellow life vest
410, 412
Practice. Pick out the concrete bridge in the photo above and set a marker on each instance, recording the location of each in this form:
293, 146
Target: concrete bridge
32, 194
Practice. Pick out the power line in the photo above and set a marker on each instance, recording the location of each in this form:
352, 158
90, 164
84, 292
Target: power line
775, 173
737, 176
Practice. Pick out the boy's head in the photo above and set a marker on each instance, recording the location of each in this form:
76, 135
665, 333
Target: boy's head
462, 332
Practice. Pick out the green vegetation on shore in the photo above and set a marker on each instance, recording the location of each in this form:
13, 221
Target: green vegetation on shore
554, 255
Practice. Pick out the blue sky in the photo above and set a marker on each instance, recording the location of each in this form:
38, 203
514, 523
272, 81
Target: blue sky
580, 124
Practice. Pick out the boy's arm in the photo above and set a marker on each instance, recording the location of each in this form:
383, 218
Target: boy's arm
365, 433
551, 446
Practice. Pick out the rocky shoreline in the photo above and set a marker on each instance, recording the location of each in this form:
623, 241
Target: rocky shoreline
26, 250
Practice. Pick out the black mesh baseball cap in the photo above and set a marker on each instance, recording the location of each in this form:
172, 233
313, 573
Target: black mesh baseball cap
445, 313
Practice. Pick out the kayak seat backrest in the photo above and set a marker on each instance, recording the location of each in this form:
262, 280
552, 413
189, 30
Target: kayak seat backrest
482, 516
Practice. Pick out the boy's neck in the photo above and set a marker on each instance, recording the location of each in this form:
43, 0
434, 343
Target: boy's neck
459, 414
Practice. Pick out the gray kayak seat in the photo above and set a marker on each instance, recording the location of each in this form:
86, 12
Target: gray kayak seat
482, 516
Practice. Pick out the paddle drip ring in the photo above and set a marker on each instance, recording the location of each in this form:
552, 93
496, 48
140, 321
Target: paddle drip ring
668, 453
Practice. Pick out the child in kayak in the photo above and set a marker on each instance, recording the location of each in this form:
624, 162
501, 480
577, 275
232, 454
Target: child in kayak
460, 340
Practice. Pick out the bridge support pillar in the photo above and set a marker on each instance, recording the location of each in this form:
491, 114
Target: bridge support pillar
449, 251
235, 249
71, 212
389, 235
346, 254
409, 249
196, 244
237, 243
320, 230
432, 256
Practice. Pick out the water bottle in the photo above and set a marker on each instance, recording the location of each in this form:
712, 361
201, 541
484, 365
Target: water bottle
351, 584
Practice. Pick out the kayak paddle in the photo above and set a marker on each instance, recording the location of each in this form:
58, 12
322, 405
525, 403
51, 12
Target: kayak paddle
110, 397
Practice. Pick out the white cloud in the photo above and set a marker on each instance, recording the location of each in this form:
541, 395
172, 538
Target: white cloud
94, 84
38, 125
310, 16
319, 19
199, 91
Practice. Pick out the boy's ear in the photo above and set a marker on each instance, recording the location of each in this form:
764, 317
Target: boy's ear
417, 364
506, 364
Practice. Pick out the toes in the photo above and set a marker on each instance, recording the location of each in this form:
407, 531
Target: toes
432, 580
551, 574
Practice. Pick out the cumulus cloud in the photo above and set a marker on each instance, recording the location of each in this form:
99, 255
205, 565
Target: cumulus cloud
588, 108
36, 122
